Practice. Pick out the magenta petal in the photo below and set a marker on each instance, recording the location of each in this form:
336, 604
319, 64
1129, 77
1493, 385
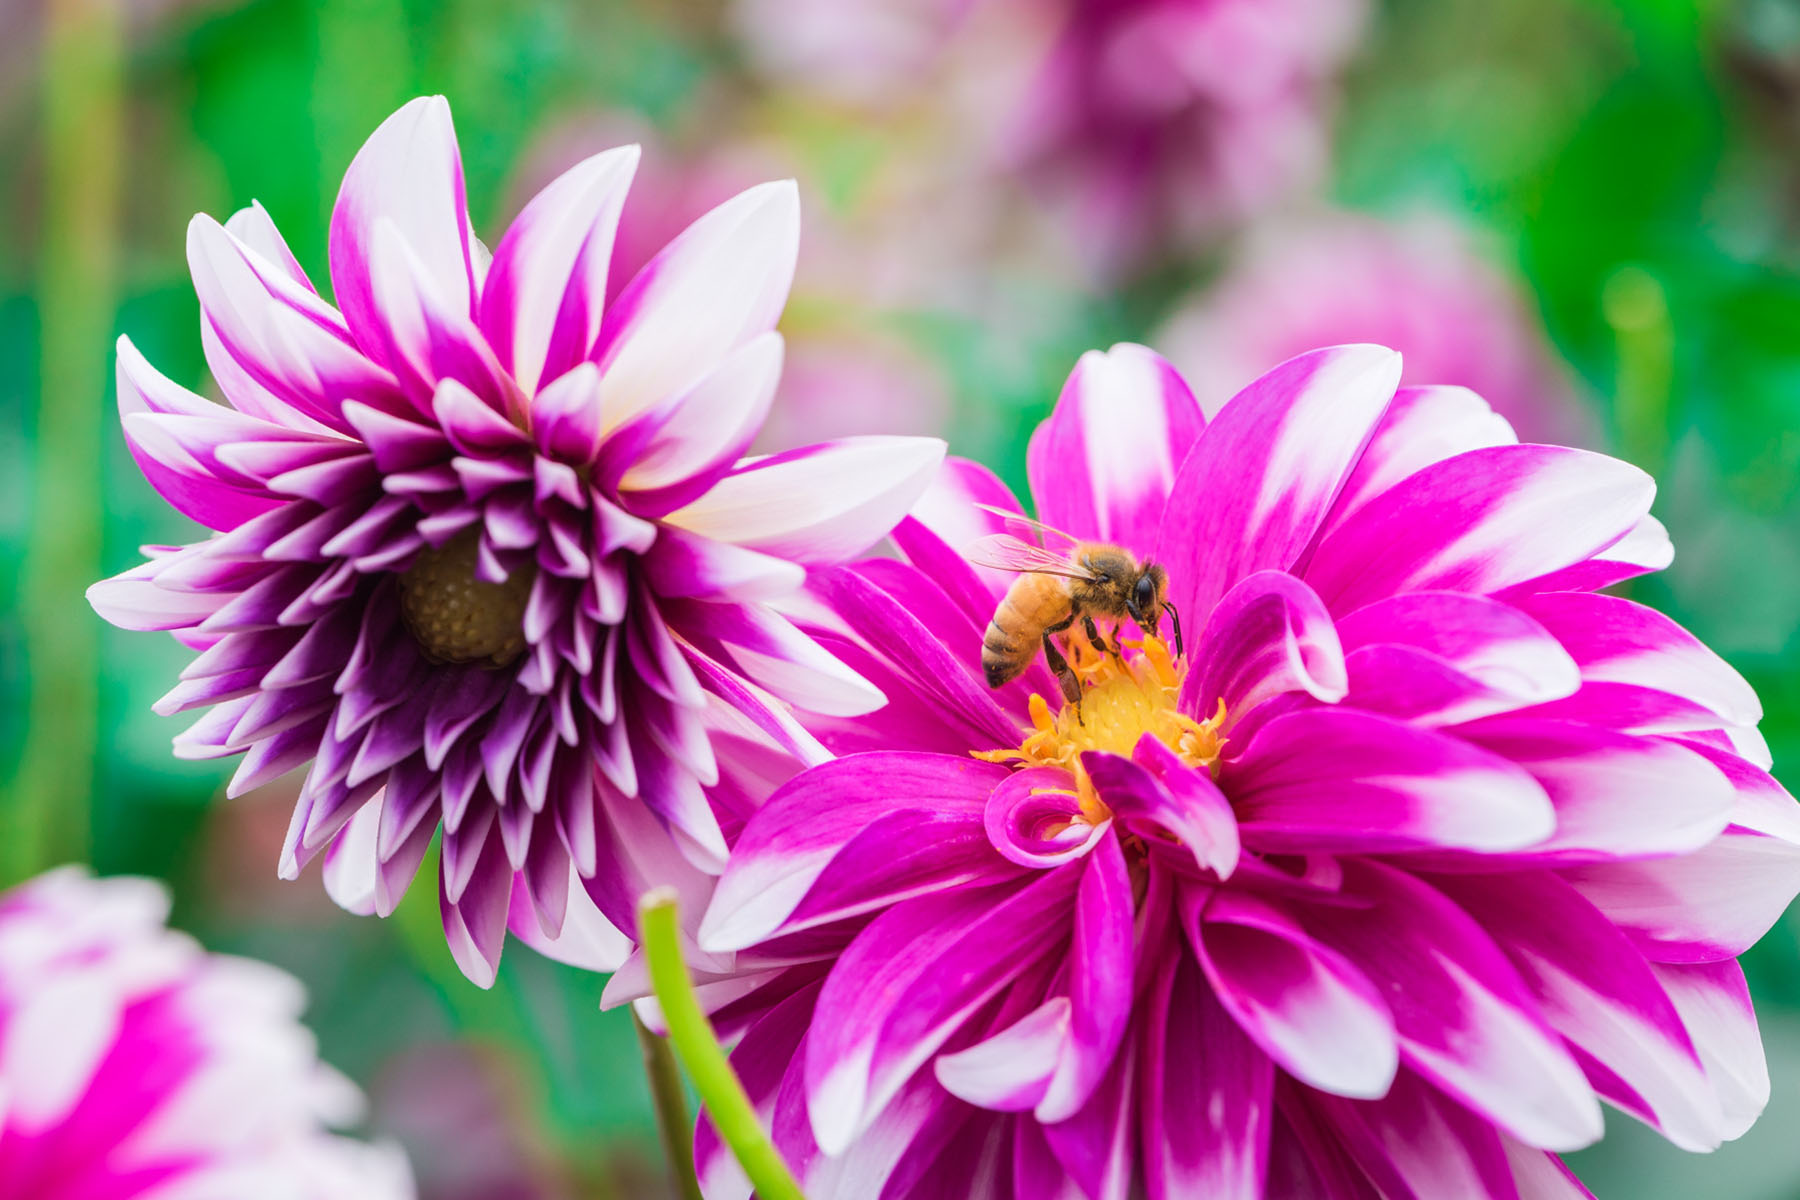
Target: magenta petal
1100, 982
1706, 906
1714, 1003
1307, 1006
1466, 1020
955, 507
1034, 819
1416, 1141
1010, 1071
1197, 1061
1263, 475
1480, 522
1324, 779
1102, 465
905, 985
1598, 992
809, 821
1494, 643
1616, 641
1615, 795
1423, 425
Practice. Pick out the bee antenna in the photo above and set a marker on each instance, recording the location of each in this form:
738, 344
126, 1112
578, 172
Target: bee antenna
1175, 620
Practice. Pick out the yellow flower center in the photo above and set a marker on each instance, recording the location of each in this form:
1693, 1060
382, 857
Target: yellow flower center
1121, 701
457, 618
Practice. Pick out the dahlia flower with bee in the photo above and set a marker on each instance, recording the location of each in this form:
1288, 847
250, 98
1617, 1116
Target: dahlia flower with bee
1423, 849
486, 550
135, 1064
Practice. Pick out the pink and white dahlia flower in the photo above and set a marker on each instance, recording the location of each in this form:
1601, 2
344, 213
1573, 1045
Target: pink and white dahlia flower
487, 552
1422, 850
1417, 283
135, 1064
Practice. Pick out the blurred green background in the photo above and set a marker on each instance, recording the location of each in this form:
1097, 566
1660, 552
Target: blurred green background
1631, 170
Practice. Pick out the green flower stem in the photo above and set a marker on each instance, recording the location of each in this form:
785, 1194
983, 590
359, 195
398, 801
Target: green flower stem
672, 1119
698, 1048
47, 806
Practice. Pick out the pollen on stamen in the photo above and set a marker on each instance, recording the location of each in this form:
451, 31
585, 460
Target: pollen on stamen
1121, 701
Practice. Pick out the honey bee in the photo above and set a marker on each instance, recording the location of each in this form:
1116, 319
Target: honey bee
1054, 591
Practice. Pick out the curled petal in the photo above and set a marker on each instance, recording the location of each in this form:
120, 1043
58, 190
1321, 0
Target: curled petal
1269, 636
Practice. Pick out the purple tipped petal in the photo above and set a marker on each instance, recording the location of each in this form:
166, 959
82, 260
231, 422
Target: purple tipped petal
542, 301
714, 288
409, 173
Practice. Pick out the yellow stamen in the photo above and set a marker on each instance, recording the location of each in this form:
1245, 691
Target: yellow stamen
1120, 703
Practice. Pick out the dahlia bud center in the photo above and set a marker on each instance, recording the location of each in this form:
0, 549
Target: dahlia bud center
458, 618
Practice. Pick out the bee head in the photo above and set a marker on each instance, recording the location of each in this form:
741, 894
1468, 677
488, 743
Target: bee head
1143, 601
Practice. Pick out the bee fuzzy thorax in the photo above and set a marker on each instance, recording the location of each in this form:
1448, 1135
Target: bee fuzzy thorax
1122, 699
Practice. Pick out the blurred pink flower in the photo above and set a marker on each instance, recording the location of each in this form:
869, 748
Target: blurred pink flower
1418, 285
861, 51
1152, 122
133, 1063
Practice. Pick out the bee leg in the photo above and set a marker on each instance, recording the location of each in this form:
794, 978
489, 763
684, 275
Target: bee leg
1105, 647
1059, 666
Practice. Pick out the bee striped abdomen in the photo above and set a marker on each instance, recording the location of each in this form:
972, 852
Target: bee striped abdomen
1032, 604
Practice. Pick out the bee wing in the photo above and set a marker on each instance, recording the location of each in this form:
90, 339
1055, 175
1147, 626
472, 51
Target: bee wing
1008, 553
1024, 524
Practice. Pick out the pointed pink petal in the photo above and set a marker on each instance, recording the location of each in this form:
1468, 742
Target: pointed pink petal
1264, 474
1102, 465
1480, 522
